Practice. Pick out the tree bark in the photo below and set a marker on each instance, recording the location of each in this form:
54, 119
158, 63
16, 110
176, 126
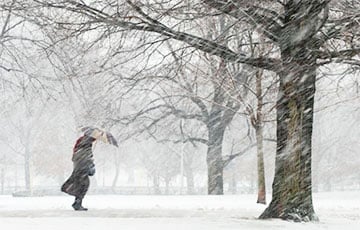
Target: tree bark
215, 161
292, 195
260, 166
260, 140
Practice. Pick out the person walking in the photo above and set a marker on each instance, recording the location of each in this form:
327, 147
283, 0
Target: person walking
83, 166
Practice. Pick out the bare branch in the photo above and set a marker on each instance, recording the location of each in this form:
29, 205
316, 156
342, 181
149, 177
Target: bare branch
152, 25
258, 16
228, 158
344, 54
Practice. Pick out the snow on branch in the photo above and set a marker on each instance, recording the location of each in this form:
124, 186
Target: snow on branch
270, 21
145, 23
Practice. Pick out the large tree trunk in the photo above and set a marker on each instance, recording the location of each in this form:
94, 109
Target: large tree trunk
292, 185
292, 195
214, 160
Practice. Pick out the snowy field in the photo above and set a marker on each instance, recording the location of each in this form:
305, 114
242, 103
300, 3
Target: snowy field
335, 210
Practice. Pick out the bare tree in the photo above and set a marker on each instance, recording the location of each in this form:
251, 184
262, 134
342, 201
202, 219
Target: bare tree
53, 143
161, 164
199, 89
259, 112
308, 34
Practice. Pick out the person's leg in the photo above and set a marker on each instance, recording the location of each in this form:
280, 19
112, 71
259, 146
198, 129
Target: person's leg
77, 205
83, 187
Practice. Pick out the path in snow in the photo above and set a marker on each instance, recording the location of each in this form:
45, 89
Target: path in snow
335, 210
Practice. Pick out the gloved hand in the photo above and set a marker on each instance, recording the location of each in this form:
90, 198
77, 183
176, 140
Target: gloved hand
91, 171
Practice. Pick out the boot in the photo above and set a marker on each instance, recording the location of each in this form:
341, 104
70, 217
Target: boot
77, 205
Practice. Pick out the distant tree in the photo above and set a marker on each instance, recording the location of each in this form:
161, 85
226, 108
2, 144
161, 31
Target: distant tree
202, 91
26, 90
161, 166
259, 112
212, 109
54, 144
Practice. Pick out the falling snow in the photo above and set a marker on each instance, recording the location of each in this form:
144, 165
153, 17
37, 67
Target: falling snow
187, 102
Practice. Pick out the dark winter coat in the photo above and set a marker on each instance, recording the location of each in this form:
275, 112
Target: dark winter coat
78, 183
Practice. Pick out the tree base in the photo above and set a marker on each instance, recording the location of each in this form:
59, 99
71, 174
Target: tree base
259, 201
290, 214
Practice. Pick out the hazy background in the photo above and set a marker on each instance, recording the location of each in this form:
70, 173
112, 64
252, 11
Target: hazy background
48, 91
48, 129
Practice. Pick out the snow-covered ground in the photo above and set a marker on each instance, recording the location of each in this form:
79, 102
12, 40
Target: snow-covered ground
340, 210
